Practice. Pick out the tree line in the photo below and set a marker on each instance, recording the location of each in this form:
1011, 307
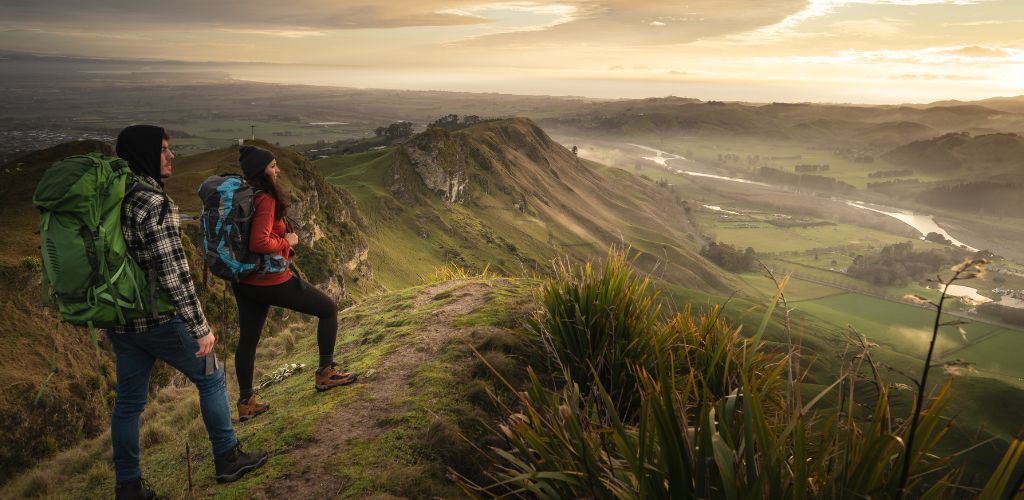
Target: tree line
809, 181
898, 264
729, 257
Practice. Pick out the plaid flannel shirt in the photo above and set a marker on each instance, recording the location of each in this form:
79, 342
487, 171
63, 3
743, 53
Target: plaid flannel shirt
155, 246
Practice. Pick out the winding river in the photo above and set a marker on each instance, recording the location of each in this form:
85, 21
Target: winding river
923, 223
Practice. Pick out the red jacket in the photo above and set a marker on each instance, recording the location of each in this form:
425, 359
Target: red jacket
266, 236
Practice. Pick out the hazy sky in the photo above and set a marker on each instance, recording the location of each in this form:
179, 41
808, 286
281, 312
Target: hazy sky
760, 50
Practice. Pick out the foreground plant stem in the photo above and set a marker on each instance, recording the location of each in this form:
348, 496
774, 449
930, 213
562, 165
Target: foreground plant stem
918, 406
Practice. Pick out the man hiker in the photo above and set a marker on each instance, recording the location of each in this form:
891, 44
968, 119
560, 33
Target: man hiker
182, 339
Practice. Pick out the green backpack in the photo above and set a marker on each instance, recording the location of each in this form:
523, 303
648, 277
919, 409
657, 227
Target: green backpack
85, 258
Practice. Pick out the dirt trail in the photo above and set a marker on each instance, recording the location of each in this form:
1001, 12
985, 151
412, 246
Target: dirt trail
314, 473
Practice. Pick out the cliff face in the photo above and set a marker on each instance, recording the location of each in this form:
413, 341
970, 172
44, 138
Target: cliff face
514, 157
441, 161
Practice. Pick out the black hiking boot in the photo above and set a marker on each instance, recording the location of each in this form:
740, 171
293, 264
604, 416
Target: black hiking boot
235, 463
132, 490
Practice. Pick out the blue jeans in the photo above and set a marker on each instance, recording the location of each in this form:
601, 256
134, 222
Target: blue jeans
135, 354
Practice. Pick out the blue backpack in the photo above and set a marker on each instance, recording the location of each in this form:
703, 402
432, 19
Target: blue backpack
224, 225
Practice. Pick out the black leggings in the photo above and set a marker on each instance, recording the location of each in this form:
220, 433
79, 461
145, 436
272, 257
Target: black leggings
253, 304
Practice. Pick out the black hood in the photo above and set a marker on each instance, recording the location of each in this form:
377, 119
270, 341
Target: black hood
140, 146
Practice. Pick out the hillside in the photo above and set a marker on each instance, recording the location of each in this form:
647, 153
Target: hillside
503, 194
334, 256
395, 433
426, 406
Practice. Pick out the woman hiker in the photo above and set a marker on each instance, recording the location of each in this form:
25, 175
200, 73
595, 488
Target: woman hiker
275, 285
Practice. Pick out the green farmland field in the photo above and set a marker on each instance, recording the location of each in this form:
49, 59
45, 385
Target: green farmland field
796, 290
766, 238
906, 330
998, 355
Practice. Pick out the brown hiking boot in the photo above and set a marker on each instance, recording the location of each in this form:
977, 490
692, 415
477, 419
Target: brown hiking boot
329, 377
250, 408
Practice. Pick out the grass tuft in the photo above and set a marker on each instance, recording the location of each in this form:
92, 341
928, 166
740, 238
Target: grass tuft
683, 406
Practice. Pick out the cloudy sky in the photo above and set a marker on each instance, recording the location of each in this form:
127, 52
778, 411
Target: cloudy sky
873, 51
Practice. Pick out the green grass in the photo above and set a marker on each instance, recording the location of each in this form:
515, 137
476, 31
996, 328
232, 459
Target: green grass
346, 166
692, 435
841, 280
368, 332
766, 238
415, 238
997, 355
796, 290
903, 330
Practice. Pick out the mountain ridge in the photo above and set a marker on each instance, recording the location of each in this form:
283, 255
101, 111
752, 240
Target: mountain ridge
504, 194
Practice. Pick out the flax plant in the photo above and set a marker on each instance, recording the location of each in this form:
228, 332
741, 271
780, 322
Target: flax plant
657, 405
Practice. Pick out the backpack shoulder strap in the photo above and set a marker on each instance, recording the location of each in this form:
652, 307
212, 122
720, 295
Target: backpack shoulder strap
141, 185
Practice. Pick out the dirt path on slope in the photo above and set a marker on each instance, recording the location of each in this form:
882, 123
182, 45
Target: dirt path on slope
314, 474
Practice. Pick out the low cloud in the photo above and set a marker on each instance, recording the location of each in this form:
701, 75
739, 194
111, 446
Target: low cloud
298, 33
652, 22
978, 51
931, 55
940, 77
813, 9
258, 15
869, 27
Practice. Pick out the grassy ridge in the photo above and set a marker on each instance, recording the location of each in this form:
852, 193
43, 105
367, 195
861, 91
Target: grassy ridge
403, 448
529, 201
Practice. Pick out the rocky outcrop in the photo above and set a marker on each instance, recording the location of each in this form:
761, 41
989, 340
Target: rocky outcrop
440, 161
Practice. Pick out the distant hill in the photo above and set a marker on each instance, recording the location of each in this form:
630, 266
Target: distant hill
988, 154
821, 124
1007, 104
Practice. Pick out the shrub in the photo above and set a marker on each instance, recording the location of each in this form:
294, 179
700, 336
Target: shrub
599, 326
706, 414
30, 263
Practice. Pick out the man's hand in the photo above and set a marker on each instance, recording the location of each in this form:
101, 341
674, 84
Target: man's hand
206, 344
293, 239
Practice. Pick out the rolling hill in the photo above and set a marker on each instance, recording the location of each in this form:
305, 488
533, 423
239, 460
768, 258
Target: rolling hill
986, 155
